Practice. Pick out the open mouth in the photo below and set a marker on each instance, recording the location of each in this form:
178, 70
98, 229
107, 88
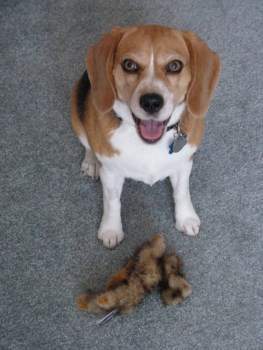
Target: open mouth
150, 130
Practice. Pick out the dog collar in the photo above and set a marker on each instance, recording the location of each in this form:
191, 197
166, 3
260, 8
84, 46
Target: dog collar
177, 129
179, 138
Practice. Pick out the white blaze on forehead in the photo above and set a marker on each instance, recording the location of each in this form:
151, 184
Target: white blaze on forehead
151, 67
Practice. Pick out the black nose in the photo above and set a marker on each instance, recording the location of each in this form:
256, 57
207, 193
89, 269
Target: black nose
151, 103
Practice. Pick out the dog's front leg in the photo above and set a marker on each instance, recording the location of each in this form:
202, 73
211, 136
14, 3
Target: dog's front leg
186, 218
110, 231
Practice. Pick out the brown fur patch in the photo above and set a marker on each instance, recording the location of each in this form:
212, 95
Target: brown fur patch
99, 128
193, 127
95, 126
205, 68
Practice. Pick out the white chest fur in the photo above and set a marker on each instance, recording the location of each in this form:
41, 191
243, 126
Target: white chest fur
141, 161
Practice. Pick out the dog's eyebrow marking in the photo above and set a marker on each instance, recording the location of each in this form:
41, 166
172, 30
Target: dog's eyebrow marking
83, 88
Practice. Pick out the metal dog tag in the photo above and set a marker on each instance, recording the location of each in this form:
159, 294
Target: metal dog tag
178, 143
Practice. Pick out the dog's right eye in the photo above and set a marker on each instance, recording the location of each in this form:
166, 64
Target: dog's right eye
130, 66
174, 67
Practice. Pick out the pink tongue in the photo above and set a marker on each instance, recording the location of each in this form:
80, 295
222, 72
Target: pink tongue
151, 130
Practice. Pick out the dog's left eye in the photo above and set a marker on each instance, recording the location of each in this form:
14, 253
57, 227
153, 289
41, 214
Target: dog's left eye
174, 66
130, 66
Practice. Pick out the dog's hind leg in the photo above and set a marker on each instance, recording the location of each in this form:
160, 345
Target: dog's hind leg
90, 165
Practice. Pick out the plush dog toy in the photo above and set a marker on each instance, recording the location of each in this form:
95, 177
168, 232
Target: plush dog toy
149, 267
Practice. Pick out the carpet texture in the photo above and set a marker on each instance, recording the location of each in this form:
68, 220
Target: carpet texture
50, 214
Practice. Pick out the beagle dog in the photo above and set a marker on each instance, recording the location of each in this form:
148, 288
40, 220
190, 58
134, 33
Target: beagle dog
141, 86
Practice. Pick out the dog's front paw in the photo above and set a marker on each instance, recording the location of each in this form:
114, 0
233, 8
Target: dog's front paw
110, 238
189, 225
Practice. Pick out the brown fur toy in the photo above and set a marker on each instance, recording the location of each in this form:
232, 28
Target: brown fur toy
174, 287
148, 268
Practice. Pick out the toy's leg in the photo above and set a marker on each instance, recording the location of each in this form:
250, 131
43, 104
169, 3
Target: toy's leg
83, 301
178, 283
110, 231
186, 218
121, 276
88, 302
178, 290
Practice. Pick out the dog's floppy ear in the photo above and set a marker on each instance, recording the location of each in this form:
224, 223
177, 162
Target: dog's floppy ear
100, 61
205, 68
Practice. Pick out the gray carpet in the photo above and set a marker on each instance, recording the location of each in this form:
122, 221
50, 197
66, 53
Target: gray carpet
50, 214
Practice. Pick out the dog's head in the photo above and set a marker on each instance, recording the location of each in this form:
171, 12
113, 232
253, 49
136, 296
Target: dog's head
151, 70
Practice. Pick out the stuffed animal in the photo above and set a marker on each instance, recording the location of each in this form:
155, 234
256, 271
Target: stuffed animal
149, 267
